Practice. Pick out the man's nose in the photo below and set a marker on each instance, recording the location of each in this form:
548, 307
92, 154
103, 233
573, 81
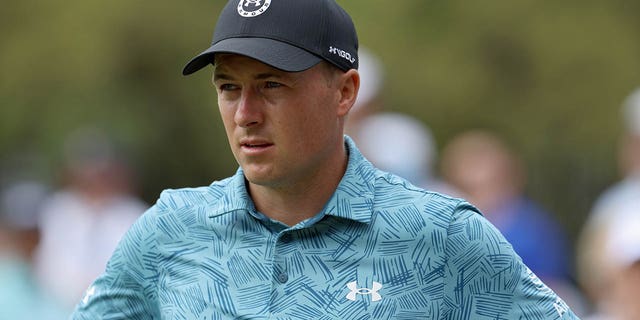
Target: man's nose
249, 112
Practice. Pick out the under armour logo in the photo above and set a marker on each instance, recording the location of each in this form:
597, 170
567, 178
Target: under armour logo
253, 8
255, 3
342, 54
353, 286
90, 292
561, 307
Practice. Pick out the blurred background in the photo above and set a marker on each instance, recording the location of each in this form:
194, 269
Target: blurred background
549, 77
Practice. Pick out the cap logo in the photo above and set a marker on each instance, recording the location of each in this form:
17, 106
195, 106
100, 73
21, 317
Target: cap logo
253, 8
342, 54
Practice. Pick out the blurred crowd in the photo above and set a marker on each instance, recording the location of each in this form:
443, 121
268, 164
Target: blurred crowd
598, 276
56, 239
55, 242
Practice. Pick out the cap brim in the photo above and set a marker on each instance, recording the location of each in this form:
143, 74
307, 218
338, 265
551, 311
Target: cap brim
277, 54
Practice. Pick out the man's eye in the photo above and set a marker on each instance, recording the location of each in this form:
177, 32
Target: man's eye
271, 84
227, 87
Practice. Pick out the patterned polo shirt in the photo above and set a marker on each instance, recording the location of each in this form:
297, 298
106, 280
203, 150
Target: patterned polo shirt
380, 249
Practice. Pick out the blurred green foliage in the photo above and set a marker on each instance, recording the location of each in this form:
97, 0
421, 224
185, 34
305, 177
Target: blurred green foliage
549, 75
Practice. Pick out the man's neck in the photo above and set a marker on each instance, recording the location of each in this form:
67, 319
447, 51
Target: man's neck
295, 203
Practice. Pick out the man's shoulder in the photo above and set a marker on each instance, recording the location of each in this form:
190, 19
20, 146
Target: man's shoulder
395, 194
182, 198
177, 210
391, 184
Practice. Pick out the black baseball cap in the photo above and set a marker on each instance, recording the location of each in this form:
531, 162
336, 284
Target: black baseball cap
290, 35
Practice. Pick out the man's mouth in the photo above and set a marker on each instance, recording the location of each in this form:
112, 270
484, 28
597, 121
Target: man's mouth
251, 145
255, 144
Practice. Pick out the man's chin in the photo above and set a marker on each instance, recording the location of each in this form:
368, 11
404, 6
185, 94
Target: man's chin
260, 177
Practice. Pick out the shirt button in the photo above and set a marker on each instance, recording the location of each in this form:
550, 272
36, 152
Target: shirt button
283, 278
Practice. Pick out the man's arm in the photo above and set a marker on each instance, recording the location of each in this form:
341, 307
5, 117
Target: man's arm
486, 279
127, 289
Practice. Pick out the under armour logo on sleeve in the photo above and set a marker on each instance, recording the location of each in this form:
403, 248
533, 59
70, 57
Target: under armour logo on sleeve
90, 292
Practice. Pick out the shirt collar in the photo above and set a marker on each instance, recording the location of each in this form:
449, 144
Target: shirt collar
353, 198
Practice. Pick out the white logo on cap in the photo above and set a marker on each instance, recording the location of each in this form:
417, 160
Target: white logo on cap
252, 8
342, 54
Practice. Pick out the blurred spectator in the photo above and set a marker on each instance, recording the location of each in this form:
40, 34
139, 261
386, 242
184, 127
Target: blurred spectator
402, 145
82, 223
491, 176
394, 142
369, 99
597, 270
20, 295
624, 251
621, 249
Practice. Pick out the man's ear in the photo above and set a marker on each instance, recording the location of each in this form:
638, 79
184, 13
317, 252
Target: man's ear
349, 86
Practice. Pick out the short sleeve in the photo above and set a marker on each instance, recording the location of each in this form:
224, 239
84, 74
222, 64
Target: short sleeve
486, 279
127, 289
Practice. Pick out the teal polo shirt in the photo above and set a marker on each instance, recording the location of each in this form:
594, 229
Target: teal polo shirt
380, 249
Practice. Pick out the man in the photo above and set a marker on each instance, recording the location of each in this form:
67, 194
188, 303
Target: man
82, 221
307, 228
21, 295
597, 272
